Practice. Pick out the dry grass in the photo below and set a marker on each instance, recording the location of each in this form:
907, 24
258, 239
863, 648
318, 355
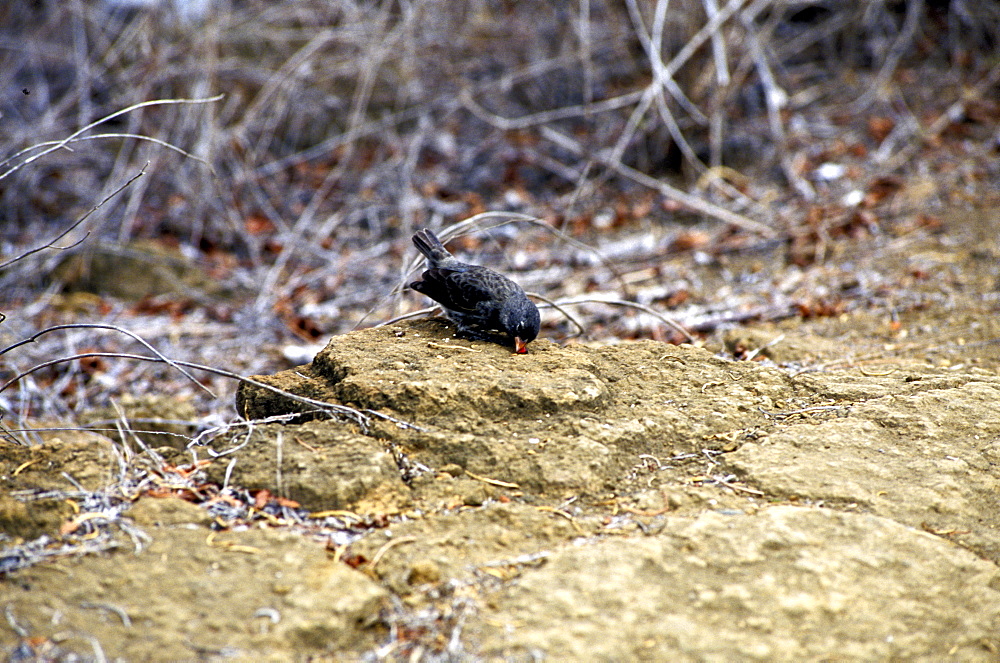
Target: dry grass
343, 126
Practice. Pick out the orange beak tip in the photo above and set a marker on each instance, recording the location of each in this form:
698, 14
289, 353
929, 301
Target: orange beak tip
520, 347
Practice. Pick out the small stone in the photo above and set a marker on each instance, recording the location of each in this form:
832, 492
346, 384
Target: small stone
424, 572
453, 469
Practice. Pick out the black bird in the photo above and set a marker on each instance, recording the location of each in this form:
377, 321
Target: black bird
478, 300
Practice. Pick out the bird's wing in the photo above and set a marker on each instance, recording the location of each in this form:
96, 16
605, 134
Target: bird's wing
458, 291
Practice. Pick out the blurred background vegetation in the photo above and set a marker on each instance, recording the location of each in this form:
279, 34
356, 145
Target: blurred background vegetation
300, 143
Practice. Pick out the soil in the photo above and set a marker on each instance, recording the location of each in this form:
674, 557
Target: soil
836, 498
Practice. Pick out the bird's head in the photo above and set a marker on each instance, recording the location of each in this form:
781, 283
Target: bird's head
520, 319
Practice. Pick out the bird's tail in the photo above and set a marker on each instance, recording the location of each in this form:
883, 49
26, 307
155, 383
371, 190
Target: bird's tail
432, 248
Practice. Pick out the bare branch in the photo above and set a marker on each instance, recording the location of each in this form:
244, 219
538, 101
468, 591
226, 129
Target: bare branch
361, 417
52, 147
50, 244
636, 305
121, 330
673, 193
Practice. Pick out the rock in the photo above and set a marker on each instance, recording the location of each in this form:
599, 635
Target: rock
926, 459
134, 271
31, 519
168, 512
642, 501
787, 584
555, 421
319, 466
89, 458
159, 420
256, 594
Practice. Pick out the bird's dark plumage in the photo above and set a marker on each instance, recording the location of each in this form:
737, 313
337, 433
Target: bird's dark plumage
478, 300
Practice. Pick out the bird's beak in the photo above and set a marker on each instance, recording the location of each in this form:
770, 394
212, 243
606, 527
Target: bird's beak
520, 347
